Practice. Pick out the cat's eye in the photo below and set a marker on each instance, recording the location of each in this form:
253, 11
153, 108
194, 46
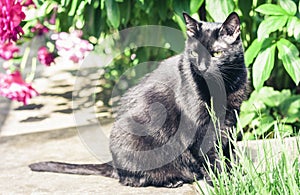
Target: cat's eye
217, 54
194, 54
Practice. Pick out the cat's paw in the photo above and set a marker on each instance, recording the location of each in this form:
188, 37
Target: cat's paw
132, 181
173, 184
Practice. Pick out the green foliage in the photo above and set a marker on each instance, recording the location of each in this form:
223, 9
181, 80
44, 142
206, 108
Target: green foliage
263, 26
276, 31
220, 9
258, 167
270, 31
273, 174
267, 107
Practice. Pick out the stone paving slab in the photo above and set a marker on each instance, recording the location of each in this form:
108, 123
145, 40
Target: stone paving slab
259, 150
53, 108
17, 152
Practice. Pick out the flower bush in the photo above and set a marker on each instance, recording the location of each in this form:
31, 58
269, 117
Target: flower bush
11, 15
22, 20
71, 46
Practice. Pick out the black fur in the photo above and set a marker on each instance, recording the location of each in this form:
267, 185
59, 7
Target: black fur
158, 135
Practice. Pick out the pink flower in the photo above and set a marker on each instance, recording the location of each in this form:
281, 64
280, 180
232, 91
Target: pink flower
52, 20
7, 50
44, 56
13, 87
39, 29
11, 16
71, 46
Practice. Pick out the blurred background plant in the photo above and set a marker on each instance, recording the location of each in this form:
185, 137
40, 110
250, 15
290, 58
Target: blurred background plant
70, 29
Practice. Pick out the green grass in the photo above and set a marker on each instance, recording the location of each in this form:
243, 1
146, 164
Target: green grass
274, 171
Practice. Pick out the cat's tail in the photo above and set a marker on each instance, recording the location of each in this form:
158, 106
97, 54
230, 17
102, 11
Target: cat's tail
105, 169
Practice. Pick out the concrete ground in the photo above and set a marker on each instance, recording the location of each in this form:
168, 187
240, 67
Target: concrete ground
17, 152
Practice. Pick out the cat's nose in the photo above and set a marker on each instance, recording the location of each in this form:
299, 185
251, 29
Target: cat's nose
203, 65
202, 68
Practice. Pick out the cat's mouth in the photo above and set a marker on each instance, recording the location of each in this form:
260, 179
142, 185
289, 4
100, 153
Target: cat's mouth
198, 70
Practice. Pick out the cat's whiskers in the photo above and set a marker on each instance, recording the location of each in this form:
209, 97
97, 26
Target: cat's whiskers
218, 78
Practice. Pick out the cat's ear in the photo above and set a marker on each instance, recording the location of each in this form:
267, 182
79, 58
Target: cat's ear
230, 29
192, 26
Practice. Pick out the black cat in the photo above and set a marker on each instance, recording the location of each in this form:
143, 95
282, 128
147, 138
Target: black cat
163, 125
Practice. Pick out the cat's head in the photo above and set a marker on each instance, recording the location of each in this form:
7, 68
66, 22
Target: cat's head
214, 46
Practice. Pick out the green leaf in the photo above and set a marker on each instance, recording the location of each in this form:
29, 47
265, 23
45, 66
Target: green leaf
162, 10
291, 25
65, 3
263, 66
257, 47
180, 6
113, 13
273, 98
271, 9
248, 136
219, 9
286, 130
289, 55
195, 5
180, 22
269, 25
254, 103
252, 51
125, 14
290, 106
297, 30
294, 108
289, 6
245, 7
265, 123
246, 118
292, 119
73, 8
50, 7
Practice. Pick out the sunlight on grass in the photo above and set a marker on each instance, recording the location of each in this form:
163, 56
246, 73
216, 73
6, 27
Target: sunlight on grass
272, 169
